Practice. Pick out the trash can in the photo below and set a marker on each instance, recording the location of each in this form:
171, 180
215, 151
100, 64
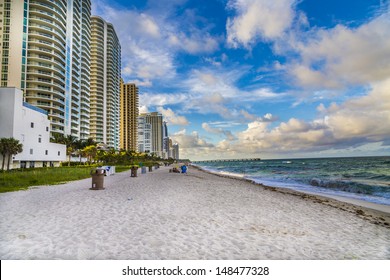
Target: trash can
143, 169
134, 171
97, 179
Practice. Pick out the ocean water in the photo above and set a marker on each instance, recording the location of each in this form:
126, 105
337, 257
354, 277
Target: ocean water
363, 178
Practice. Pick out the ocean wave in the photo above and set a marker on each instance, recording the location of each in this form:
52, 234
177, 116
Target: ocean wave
350, 186
361, 178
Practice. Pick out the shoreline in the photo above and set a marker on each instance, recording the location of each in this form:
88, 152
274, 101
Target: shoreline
169, 216
378, 214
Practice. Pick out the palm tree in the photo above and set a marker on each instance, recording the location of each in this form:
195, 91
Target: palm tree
90, 151
70, 142
14, 148
57, 138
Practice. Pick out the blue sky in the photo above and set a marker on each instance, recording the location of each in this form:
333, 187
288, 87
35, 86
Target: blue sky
261, 78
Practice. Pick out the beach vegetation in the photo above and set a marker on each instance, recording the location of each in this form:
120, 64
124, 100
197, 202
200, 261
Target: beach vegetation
22, 179
8, 148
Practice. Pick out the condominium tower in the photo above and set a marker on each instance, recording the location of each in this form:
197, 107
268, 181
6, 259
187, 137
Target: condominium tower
45, 52
105, 83
144, 135
156, 121
128, 116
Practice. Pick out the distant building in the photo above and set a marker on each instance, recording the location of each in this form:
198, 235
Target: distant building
156, 121
175, 151
165, 140
105, 83
128, 116
44, 52
31, 126
144, 135
170, 148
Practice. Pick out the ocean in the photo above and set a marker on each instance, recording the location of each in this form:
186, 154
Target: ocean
363, 178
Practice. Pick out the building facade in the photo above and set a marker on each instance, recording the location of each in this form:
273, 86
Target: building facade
31, 126
105, 83
44, 52
175, 151
128, 116
144, 135
156, 121
165, 140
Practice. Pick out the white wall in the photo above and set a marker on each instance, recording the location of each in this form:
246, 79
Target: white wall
16, 120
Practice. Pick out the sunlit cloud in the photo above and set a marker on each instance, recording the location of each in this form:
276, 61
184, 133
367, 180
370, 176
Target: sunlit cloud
258, 20
343, 56
171, 117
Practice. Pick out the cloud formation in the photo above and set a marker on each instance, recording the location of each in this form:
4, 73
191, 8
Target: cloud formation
258, 19
354, 123
171, 117
342, 56
219, 131
150, 40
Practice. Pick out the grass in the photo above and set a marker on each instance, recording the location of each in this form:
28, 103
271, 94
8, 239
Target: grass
22, 179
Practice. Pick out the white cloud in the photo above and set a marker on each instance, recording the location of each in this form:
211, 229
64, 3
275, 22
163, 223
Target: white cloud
196, 43
258, 19
358, 125
227, 133
151, 39
171, 117
190, 141
143, 109
141, 83
151, 99
342, 56
356, 122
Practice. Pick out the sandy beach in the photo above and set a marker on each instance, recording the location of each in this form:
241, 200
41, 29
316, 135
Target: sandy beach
162, 215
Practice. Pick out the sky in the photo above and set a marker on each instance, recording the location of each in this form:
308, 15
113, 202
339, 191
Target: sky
260, 78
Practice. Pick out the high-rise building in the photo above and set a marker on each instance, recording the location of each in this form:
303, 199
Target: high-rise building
45, 52
105, 83
144, 135
156, 121
165, 140
175, 151
128, 116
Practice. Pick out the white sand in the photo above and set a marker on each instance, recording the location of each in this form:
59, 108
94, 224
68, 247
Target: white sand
162, 215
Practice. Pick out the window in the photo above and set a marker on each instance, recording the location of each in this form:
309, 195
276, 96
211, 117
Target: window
39, 140
31, 151
59, 153
44, 164
47, 128
46, 152
32, 125
23, 164
32, 164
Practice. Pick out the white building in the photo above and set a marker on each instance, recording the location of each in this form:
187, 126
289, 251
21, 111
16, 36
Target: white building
144, 135
156, 121
175, 151
31, 126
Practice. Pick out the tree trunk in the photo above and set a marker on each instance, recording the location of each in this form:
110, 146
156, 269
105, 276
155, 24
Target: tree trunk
9, 159
3, 163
